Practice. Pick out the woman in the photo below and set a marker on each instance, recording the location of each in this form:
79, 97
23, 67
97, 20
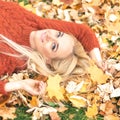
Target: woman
26, 28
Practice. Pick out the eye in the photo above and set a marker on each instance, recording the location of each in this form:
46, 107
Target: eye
54, 47
60, 34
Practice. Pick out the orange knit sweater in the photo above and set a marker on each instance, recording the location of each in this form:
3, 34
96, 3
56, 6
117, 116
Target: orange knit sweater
16, 23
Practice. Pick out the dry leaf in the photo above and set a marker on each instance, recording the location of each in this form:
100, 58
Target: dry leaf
28, 7
34, 101
7, 112
53, 87
111, 117
78, 101
92, 111
115, 93
62, 109
107, 107
57, 2
97, 74
54, 116
4, 99
67, 1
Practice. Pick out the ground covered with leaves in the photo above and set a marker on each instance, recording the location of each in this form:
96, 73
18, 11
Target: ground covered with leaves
95, 96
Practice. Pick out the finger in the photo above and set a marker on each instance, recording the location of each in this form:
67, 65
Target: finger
42, 88
32, 91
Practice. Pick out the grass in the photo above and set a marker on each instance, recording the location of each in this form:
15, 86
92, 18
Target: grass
72, 113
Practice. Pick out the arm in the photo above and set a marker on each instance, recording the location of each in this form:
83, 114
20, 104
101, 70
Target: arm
33, 87
9, 64
2, 87
96, 57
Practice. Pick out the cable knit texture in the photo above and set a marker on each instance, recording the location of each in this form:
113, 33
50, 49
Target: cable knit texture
2, 85
16, 23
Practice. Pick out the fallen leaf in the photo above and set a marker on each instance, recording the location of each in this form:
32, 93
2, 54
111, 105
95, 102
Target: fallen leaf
97, 74
67, 1
107, 107
78, 101
7, 112
92, 111
111, 117
53, 87
54, 116
34, 101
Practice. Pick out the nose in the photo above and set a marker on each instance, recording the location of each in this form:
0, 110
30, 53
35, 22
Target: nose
44, 37
48, 37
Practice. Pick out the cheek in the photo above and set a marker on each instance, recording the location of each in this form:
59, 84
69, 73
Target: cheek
44, 51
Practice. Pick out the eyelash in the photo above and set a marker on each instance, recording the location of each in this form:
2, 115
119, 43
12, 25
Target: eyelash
54, 47
60, 34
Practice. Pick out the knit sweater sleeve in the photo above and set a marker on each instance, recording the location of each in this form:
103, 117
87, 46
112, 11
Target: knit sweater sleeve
82, 32
2, 85
9, 64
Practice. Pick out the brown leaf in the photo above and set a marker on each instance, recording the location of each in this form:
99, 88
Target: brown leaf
111, 117
4, 99
118, 103
54, 116
62, 109
7, 112
117, 75
67, 1
107, 107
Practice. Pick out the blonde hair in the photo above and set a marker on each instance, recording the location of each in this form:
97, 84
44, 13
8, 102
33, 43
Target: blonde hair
74, 64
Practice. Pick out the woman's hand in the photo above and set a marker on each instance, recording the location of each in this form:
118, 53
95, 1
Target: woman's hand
96, 57
31, 86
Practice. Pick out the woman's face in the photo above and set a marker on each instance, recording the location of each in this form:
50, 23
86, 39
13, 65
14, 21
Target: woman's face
52, 43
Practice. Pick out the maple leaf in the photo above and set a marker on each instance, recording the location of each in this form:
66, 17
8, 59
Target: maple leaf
97, 74
27, 7
92, 111
34, 101
53, 87
78, 101
7, 112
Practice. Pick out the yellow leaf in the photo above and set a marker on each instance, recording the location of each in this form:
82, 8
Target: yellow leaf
97, 75
57, 2
21, 3
34, 101
92, 111
78, 101
104, 40
53, 88
27, 7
